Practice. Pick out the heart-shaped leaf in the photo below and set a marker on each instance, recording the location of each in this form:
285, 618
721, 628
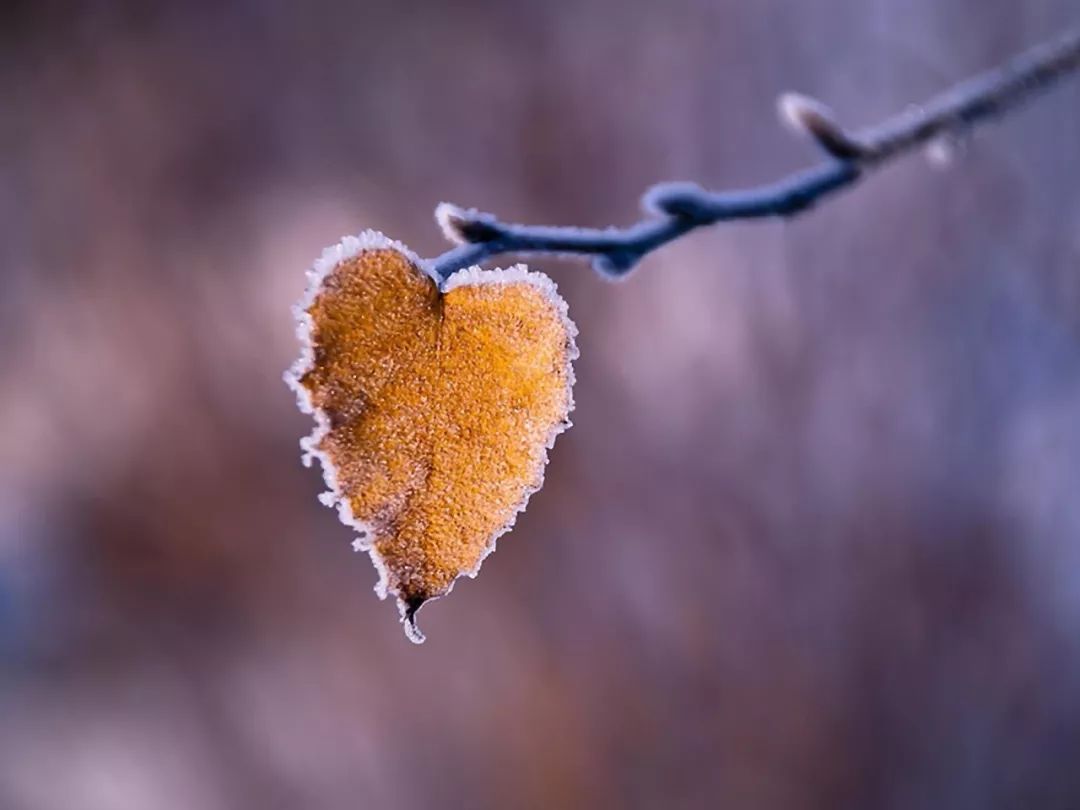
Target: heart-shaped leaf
434, 405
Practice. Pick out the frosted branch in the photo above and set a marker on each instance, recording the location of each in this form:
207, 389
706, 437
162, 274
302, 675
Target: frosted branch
678, 208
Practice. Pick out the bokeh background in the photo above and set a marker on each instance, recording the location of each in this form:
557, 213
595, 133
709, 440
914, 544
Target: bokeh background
813, 542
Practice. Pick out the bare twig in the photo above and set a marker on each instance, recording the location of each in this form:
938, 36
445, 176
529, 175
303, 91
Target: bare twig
678, 208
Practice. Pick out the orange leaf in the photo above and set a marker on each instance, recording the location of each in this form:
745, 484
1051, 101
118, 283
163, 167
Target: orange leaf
434, 406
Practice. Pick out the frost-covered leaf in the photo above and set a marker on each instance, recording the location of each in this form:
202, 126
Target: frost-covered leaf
434, 407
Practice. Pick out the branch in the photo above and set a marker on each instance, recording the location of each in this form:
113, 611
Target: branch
679, 208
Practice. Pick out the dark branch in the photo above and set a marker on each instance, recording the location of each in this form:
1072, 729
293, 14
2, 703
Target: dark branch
679, 208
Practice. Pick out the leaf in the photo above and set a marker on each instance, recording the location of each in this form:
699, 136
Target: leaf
434, 407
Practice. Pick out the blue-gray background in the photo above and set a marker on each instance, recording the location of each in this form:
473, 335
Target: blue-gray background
813, 542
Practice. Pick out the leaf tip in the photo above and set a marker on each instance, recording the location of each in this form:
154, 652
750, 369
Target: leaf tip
409, 607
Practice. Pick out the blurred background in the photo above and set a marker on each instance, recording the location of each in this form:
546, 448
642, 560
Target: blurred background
813, 542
